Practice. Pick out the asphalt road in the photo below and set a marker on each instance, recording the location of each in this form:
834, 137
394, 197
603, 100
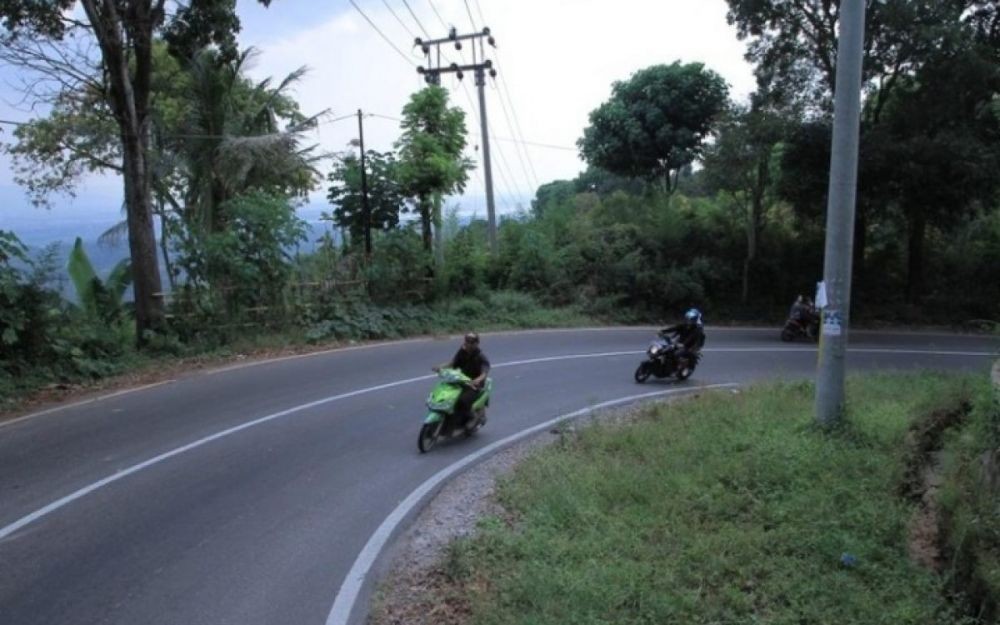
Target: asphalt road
245, 495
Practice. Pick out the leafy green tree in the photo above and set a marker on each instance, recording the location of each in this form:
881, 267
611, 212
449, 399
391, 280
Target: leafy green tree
44, 37
249, 263
740, 163
385, 199
793, 43
102, 300
930, 72
655, 122
431, 164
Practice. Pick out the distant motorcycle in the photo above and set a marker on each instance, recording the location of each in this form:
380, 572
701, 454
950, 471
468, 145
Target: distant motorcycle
441, 421
663, 360
799, 327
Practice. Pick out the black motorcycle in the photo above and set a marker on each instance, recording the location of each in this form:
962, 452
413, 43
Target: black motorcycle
663, 360
801, 327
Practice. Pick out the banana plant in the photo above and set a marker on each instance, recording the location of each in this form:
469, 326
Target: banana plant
98, 299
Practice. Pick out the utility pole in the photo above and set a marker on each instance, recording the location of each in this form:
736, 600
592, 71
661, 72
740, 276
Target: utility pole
840, 214
480, 66
365, 207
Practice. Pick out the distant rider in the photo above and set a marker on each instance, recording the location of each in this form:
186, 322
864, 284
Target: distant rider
471, 361
803, 311
690, 335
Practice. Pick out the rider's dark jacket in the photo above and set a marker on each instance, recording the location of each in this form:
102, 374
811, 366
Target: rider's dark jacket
691, 336
471, 364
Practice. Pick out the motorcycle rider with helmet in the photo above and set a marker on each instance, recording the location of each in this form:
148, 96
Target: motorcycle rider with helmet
690, 335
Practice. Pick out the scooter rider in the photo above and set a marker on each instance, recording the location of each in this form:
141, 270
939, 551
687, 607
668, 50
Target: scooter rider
471, 361
690, 335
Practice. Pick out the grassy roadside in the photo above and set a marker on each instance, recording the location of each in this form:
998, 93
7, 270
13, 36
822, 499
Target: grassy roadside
729, 509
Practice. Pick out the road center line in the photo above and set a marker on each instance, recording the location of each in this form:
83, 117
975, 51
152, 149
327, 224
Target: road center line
86, 490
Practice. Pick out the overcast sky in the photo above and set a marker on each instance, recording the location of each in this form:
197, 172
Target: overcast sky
557, 58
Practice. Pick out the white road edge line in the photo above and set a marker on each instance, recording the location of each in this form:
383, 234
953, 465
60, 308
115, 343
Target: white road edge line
343, 604
84, 402
86, 490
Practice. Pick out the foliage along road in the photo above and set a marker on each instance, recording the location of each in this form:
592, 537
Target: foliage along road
245, 495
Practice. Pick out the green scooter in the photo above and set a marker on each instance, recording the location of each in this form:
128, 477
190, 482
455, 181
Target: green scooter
441, 421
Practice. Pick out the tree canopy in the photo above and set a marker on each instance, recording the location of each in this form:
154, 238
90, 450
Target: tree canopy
655, 122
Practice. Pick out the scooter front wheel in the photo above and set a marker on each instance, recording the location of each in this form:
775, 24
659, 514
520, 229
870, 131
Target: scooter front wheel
429, 434
643, 372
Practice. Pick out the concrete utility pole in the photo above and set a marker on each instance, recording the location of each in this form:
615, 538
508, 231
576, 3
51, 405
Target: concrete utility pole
365, 207
481, 67
840, 214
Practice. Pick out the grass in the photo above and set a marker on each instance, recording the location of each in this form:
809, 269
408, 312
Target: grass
727, 509
360, 321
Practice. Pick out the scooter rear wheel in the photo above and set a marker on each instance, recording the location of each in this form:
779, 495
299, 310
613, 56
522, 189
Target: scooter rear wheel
429, 434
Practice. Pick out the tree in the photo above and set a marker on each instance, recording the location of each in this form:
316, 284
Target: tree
740, 163
935, 60
793, 43
215, 135
385, 198
101, 300
47, 38
431, 164
655, 122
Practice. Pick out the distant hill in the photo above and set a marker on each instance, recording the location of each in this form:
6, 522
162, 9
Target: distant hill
104, 257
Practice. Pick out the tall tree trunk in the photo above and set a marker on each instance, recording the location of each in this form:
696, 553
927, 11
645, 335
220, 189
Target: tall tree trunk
165, 248
126, 41
438, 235
753, 231
915, 257
425, 222
141, 238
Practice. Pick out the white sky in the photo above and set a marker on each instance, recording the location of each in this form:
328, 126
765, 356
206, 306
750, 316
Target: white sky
558, 58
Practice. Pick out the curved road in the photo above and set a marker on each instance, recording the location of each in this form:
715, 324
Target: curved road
245, 495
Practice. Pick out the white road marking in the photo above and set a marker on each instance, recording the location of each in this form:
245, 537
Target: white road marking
351, 587
86, 490
84, 402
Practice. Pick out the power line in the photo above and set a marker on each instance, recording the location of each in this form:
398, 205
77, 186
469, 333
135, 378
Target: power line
548, 146
469, 11
517, 146
381, 34
517, 123
438, 13
388, 117
479, 10
515, 127
415, 18
399, 19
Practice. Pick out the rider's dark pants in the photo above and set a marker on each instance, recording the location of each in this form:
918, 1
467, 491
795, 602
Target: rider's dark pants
463, 407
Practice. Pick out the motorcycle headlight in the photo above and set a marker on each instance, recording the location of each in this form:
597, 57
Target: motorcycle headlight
654, 349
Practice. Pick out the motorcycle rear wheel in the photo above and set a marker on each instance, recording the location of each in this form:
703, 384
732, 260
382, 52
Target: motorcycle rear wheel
684, 372
429, 434
643, 372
